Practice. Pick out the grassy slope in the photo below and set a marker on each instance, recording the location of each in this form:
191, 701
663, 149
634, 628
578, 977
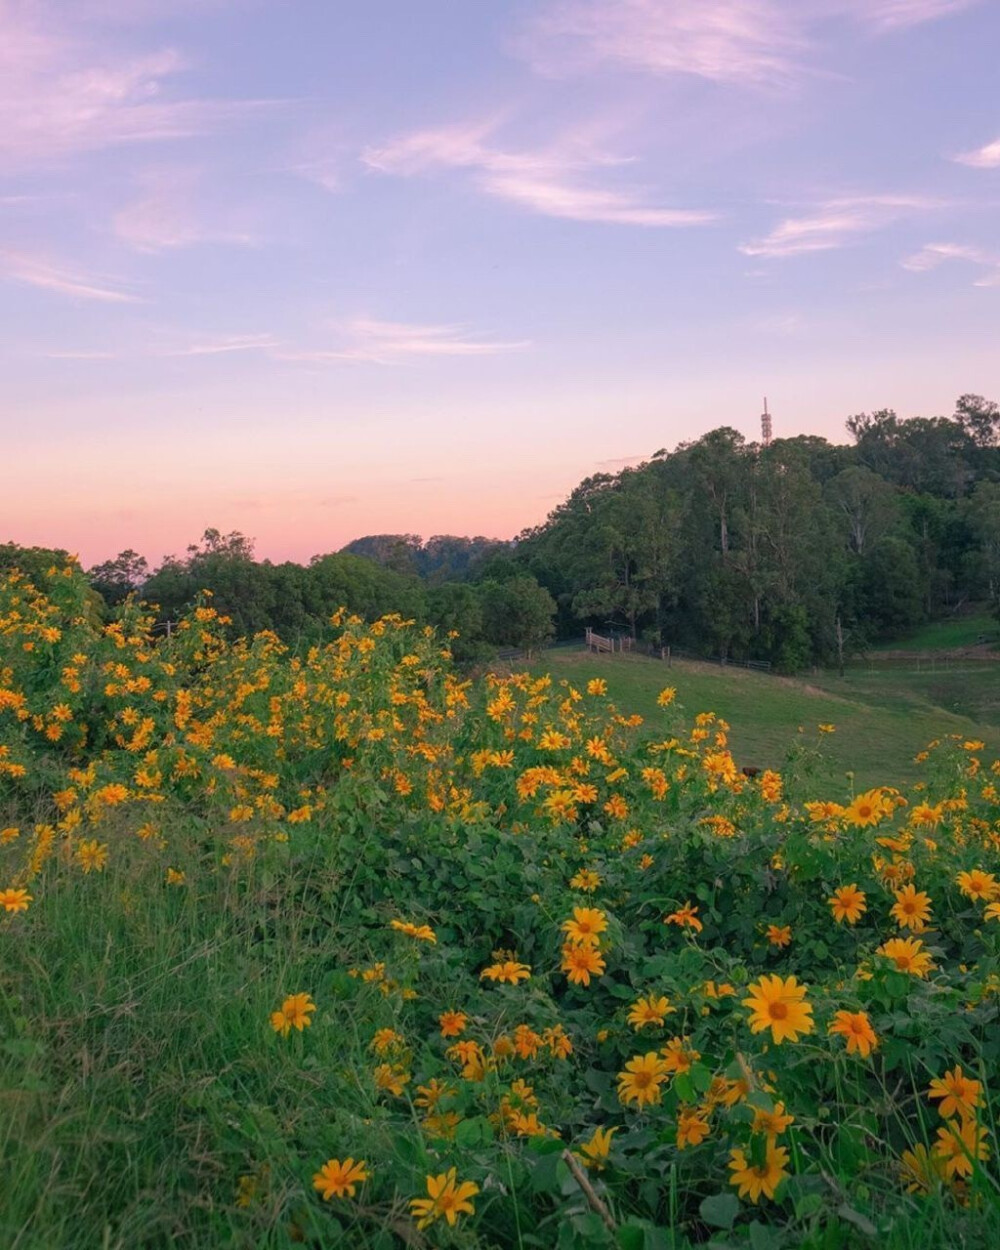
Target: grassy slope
882, 719
963, 631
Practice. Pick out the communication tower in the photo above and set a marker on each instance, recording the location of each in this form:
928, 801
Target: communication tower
765, 425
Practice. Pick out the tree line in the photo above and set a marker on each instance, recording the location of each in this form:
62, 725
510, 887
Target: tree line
795, 552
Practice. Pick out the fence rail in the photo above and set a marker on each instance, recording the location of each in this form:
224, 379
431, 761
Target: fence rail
600, 644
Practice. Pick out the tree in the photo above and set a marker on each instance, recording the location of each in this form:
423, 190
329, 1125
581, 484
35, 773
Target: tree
116, 579
517, 613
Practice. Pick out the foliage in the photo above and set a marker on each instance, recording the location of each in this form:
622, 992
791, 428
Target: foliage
338, 948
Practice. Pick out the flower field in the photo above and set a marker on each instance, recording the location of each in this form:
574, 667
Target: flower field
345, 948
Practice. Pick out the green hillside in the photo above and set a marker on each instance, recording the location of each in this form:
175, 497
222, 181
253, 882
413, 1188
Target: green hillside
882, 719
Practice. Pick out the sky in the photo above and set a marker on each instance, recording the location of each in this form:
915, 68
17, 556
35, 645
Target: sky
312, 269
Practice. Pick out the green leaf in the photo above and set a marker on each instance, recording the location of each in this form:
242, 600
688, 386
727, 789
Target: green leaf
720, 1210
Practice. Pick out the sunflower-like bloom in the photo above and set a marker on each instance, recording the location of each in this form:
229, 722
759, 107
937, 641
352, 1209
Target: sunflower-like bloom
920, 1169
912, 908
586, 926
856, 1029
580, 963
752, 1181
778, 1004
959, 1093
848, 903
595, 1152
649, 1010
908, 955
452, 1023
692, 1128
867, 809
447, 1196
686, 915
294, 1013
960, 1145
15, 900
640, 1082
422, 932
978, 885
509, 972
339, 1180
772, 1123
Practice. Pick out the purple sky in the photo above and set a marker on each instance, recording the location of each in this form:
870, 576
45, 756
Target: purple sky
317, 269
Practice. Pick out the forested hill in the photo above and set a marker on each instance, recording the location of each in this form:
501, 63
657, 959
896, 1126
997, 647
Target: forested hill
783, 553
734, 548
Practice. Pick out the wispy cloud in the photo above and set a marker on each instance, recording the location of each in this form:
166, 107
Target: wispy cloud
79, 355
755, 43
735, 41
888, 15
167, 215
393, 342
986, 157
38, 271
222, 345
60, 95
933, 254
836, 223
550, 181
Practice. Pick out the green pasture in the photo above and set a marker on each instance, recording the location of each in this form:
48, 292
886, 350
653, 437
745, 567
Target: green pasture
882, 718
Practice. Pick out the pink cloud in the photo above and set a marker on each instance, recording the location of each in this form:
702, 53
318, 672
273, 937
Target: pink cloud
33, 270
555, 181
60, 95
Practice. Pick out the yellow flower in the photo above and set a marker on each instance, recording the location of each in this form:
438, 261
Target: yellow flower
294, 1013
586, 926
692, 1129
959, 1094
640, 1082
452, 1023
446, 1196
92, 856
174, 877
509, 972
753, 1180
848, 903
666, 696
15, 900
595, 1152
912, 908
580, 963
779, 935
686, 915
959, 1145
920, 1169
337, 1180
391, 1078
597, 685
772, 1123
779, 1005
385, 1040
856, 1029
649, 1010
908, 955
422, 932
867, 809
978, 885
586, 880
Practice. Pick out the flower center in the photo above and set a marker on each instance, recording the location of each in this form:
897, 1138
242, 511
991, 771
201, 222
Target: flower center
778, 1011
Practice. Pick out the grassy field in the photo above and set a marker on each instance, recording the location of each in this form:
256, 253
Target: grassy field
882, 718
963, 631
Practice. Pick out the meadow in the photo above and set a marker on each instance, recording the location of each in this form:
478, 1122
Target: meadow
347, 948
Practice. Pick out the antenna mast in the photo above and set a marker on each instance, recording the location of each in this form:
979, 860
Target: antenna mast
765, 425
